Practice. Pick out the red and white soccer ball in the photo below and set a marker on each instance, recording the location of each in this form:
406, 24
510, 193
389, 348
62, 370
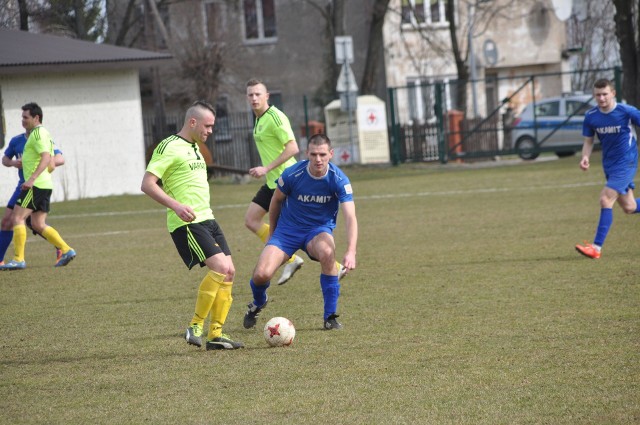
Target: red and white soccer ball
279, 332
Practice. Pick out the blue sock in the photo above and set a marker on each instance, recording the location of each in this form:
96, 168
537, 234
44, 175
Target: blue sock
5, 240
637, 206
330, 292
259, 293
606, 218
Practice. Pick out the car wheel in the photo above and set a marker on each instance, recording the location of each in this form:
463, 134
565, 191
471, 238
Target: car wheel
564, 154
525, 146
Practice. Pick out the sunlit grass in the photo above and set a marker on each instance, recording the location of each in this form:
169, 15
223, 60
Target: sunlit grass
469, 306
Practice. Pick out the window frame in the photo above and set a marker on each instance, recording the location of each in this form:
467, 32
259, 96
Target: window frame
425, 12
260, 24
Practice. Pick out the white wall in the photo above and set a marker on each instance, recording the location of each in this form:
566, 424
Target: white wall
95, 118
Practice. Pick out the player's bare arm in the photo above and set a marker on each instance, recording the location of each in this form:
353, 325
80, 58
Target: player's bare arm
150, 187
587, 148
10, 162
274, 209
290, 150
348, 210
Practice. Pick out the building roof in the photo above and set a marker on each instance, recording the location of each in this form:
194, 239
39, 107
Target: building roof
22, 51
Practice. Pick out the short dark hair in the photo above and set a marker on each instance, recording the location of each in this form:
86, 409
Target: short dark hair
34, 109
254, 82
203, 104
602, 83
319, 139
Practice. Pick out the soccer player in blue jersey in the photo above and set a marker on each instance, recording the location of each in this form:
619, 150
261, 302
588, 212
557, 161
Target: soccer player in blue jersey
277, 147
613, 123
302, 215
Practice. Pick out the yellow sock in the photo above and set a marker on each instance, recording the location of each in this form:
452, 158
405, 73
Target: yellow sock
19, 241
220, 309
206, 295
263, 232
338, 265
54, 238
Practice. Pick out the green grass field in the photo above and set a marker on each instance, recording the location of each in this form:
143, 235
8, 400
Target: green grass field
469, 306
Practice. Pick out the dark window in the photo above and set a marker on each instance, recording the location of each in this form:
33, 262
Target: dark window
548, 109
259, 19
577, 107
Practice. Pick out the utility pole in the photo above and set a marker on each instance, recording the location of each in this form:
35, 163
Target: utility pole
346, 87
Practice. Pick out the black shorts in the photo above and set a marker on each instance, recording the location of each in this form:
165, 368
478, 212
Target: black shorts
199, 241
263, 197
35, 199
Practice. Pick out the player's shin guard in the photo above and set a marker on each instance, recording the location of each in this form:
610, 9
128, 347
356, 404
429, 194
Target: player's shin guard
220, 309
53, 237
259, 293
206, 295
5, 240
19, 241
330, 292
606, 218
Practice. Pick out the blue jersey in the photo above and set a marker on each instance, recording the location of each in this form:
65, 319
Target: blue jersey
15, 150
312, 201
616, 134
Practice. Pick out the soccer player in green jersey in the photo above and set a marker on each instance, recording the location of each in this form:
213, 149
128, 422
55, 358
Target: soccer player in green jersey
35, 197
277, 147
178, 162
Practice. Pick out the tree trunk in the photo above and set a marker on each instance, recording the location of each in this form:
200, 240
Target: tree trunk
78, 10
629, 49
461, 66
24, 15
375, 48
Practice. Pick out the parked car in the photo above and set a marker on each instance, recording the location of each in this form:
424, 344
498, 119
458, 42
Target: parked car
552, 124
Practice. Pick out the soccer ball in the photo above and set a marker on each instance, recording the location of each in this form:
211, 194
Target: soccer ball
279, 332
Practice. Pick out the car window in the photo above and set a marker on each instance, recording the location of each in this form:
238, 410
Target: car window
548, 109
577, 107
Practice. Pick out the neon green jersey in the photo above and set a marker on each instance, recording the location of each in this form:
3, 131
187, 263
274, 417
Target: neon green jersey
181, 167
39, 141
271, 132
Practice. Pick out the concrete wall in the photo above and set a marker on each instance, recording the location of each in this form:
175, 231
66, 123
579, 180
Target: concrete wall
95, 119
293, 65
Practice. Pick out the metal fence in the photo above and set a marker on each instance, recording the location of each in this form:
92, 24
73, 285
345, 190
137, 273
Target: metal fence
425, 124
231, 144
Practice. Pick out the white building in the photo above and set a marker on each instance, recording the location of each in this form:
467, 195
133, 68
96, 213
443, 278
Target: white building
90, 97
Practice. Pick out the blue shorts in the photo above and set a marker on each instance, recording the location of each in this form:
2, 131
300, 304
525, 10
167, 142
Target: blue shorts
621, 180
291, 239
14, 197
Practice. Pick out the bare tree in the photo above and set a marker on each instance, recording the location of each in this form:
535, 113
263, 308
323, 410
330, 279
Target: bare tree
333, 13
126, 27
83, 19
24, 15
200, 68
375, 48
627, 19
591, 35
466, 20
